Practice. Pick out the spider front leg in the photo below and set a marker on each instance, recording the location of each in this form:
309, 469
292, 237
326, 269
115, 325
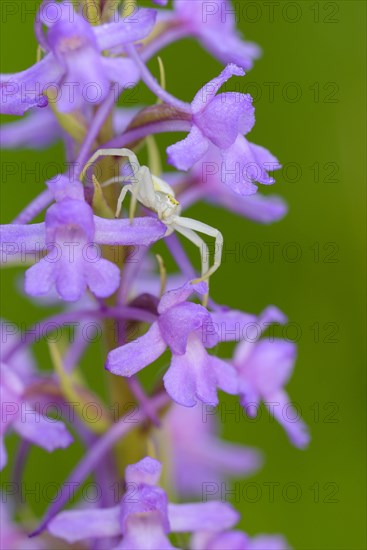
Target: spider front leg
111, 153
204, 253
141, 190
121, 198
200, 243
195, 225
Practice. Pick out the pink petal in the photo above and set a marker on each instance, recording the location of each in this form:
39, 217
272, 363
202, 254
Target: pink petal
191, 376
148, 470
281, 407
103, 277
184, 154
44, 432
208, 92
181, 294
40, 278
22, 91
125, 30
134, 356
143, 231
207, 516
76, 525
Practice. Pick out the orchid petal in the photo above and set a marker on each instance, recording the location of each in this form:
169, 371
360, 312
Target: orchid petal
227, 376
231, 324
202, 516
103, 277
231, 49
225, 117
45, 432
208, 92
127, 30
144, 532
143, 231
239, 168
270, 364
40, 278
268, 542
259, 208
121, 70
216, 33
148, 471
179, 321
184, 154
230, 540
179, 295
22, 91
16, 238
244, 163
282, 409
76, 525
191, 376
134, 356
70, 274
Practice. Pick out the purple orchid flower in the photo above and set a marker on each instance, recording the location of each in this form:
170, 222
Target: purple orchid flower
245, 163
144, 517
264, 367
185, 328
74, 63
69, 234
206, 184
214, 25
210, 459
222, 183
218, 124
237, 540
19, 414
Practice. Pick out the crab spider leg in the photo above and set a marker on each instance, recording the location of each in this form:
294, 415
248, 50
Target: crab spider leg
135, 192
211, 232
111, 153
120, 200
204, 253
116, 179
141, 190
199, 242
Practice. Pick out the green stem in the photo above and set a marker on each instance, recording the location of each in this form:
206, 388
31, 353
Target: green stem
133, 447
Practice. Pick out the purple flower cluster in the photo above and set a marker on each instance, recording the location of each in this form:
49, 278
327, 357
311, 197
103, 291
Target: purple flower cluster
97, 262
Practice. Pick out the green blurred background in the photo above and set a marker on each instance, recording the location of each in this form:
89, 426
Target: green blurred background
314, 61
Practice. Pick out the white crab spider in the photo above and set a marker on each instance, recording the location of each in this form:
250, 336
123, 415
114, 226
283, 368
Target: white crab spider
155, 194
